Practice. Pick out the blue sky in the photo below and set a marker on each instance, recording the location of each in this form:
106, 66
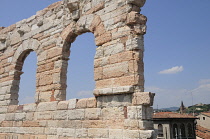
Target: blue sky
176, 52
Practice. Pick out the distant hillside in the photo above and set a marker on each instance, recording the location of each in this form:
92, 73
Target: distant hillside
171, 109
198, 108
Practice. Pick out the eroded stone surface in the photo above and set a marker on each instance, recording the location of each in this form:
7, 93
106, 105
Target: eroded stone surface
118, 28
116, 111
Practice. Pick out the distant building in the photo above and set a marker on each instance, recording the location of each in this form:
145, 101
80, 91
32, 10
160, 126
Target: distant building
204, 120
203, 125
172, 125
182, 108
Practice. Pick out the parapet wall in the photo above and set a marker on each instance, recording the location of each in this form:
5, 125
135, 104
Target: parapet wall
84, 118
120, 109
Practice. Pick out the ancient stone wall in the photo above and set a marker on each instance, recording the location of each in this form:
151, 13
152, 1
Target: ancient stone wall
120, 108
76, 119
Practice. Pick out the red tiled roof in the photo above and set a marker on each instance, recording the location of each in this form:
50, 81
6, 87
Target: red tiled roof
202, 132
206, 113
171, 115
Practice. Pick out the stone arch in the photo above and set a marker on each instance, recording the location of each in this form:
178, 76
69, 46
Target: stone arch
20, 55
118, 28
110, 45
87, 23
32, 44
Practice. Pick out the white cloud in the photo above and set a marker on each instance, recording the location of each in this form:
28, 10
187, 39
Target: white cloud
85, 94
204, 81
172, 70
202, 88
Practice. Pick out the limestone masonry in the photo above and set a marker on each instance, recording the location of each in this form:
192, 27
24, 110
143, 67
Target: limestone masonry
120, 109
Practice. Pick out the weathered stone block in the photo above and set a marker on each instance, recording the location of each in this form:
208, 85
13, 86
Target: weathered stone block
123, 89
147, 134
136, 43
45, 79
69, 132
47, 106
139, 3
53, 123
7, 124
51, 131
136, 112
77, 114
143, 98
81, 133
99, 52
3, 109
94, 124
91, 103
20, 116
63, 105
29, 107
82, 103
115, 70
10, 117
98, 133
131, 134
104, 38
98, 73
115, 133
12, 108
72, 103
131, 124
136, 18
60, 115
114, 100
113, 113
29, 116
43, 115
92, 113
2, 117
31, 124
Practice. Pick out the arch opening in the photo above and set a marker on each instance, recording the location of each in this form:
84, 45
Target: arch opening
25, 76
80, 71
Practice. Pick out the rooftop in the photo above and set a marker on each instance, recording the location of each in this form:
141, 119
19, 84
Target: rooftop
202, 132
206, 113
171, 115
